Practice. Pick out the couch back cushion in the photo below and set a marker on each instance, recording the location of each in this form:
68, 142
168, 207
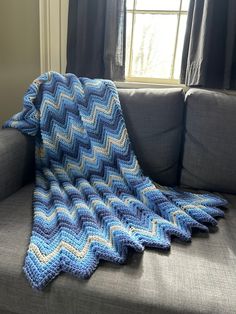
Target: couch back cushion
154, 119
209, 159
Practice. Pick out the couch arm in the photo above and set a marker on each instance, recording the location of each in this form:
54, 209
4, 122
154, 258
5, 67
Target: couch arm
16, 161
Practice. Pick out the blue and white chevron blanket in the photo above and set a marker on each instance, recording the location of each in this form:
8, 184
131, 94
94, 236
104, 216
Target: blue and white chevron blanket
91, 200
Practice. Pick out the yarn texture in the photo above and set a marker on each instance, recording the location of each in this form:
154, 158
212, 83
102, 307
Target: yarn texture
91, 200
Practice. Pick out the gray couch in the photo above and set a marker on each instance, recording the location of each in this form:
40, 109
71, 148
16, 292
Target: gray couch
187, 140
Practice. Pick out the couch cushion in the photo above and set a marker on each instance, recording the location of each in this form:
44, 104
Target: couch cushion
192, 278
154, 119
209, 160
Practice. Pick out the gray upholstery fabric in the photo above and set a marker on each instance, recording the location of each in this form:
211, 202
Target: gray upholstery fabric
16, 160
154, 119
209, 160
192, 278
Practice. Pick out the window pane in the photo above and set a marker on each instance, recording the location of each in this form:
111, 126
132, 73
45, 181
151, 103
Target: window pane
182, 27
153, 45
157, 4
129, 4
129, 18
185, 5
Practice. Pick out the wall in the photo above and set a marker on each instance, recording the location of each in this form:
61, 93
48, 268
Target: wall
19, 52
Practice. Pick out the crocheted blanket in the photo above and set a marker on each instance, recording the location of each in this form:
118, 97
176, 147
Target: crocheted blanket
91, 200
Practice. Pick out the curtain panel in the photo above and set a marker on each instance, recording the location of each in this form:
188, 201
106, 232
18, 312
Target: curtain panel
96, 38
209, 52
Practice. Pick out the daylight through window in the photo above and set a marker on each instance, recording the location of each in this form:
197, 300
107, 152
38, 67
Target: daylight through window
155, 35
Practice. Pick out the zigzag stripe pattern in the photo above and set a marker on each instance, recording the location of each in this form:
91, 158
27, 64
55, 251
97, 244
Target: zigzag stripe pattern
91, 200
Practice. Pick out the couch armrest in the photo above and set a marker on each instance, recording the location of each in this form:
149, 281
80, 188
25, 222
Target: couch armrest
16, 161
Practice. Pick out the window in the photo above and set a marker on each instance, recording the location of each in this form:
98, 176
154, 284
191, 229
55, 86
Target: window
155, 34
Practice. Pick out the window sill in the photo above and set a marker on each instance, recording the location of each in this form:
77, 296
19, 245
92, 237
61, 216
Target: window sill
130, 85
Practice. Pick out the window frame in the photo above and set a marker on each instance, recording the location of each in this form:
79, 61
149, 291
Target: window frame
154, 80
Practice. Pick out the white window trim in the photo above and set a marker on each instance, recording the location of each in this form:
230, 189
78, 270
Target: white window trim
137, 85
53, 33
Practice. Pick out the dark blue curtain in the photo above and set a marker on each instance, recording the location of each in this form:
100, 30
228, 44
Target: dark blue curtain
209, 53
96, 38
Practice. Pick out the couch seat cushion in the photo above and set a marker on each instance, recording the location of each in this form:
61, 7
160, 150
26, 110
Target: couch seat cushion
192, 278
